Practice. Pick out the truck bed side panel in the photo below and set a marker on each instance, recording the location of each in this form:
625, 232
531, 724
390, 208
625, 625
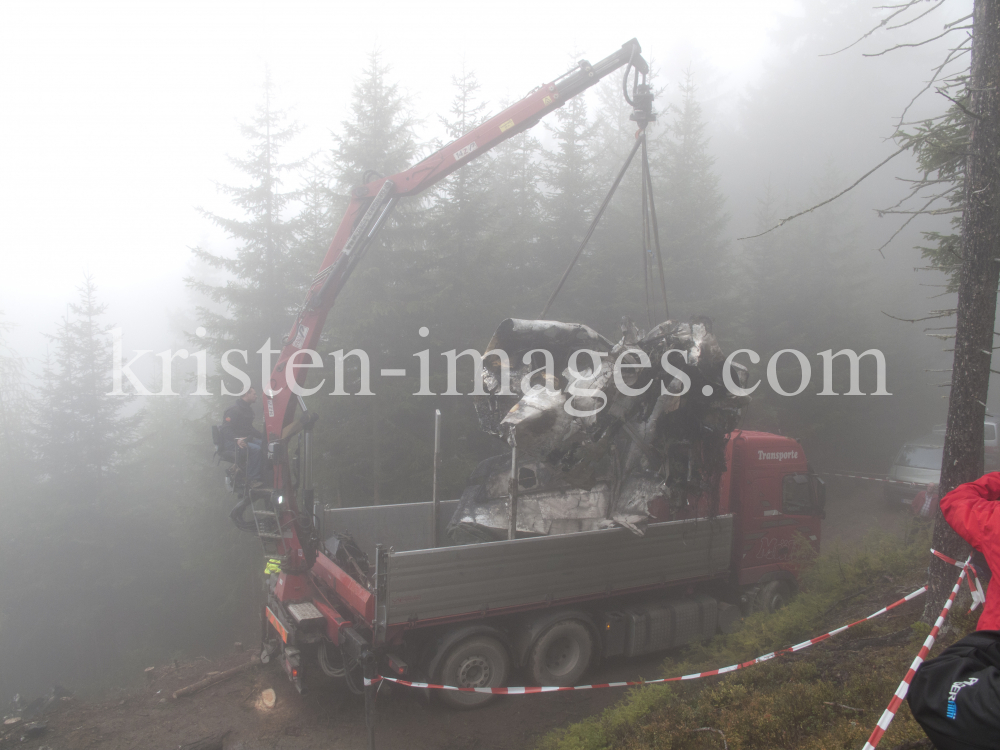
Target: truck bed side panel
402, 527
433, 583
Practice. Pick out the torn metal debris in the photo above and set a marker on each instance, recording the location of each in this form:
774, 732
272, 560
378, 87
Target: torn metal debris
607, 434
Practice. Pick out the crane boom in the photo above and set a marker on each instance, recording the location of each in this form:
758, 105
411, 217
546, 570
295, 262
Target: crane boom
367, 211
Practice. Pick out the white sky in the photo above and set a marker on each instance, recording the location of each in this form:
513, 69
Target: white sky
118, 116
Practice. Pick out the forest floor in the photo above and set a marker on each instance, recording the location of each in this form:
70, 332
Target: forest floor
331, 718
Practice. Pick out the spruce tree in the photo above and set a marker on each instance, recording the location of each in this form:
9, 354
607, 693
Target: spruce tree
693, 214
572, 195
376, 140
266, 275
459, 198
378, 310
511, 218
514, 194
460, 247
16, 444
568, 173
378, 137
84, 436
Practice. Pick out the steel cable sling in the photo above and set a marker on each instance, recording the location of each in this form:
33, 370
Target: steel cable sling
642, 103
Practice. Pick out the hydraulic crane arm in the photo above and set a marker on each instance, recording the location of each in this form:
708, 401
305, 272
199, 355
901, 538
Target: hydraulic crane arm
369, 207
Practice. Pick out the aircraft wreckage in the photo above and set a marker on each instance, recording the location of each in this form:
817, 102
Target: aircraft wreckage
602, 434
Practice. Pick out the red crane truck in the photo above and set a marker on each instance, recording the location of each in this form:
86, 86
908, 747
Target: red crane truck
549, 607
471, 615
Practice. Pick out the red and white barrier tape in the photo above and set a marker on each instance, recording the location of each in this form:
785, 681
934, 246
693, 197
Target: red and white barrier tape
897, 699
871, 479
711, 673
978, 597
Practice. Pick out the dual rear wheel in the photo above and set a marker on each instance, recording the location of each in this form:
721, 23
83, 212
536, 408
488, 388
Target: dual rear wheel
477, 662
560, 656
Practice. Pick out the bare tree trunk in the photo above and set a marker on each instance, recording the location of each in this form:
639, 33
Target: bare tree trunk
963, 445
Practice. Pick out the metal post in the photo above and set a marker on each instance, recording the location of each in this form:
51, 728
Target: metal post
381, 595
368, 667
307, 459
434, 480
512, 530
305, 476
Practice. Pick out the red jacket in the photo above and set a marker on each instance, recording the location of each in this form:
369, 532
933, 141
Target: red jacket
973, 511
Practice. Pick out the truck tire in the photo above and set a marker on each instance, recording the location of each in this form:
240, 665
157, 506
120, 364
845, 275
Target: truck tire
562, 654
480, 661
772, 596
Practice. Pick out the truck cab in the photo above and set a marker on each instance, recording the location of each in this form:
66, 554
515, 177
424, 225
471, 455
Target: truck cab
778, 504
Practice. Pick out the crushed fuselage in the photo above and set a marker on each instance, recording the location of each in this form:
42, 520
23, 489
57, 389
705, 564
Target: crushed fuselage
607, 434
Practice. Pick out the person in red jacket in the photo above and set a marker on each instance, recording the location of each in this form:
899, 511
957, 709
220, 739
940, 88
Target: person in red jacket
956, 697
925, 504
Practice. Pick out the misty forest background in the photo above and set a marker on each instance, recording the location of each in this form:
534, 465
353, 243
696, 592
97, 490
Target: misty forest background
116, 549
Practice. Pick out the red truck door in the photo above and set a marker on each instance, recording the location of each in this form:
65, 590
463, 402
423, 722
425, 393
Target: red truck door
779, 502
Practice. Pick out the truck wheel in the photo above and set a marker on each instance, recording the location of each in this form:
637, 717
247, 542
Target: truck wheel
772, 596
562, 654
479, 661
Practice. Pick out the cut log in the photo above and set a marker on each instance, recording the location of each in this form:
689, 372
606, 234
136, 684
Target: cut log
213, 679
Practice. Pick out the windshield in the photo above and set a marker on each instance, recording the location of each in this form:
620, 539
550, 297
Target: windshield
920, 457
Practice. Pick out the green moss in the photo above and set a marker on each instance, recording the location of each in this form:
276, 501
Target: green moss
614, 725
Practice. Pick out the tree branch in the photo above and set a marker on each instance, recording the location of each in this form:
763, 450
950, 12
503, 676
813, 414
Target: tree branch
895, 234
933, 316
959, 105
914, 20
914, 44
937, 71
901, 9
829, 200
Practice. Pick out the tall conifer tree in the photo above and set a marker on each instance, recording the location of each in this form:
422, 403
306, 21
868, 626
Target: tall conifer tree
266, 276
16, 455
693, 210
377, 310
84, 436
568, 172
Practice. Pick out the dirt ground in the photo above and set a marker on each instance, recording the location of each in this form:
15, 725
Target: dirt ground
331, 718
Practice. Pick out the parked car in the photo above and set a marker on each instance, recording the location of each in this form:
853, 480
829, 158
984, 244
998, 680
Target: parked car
919, 463
991, 447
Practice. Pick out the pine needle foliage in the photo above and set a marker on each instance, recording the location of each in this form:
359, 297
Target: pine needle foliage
84, 434
940, 146
265, 276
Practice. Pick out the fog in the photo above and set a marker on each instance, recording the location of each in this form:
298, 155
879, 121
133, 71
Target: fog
121, 122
